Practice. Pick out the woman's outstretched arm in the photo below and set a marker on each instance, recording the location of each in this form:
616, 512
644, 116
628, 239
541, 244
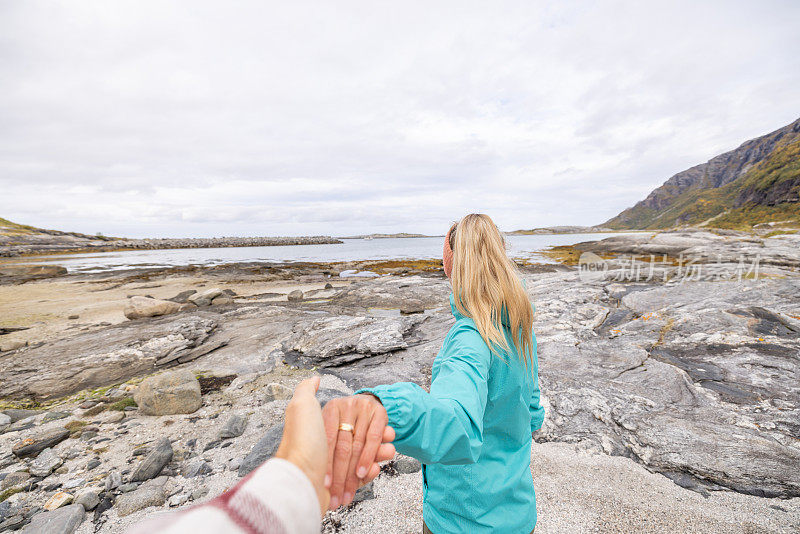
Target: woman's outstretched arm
443, 426
446, 425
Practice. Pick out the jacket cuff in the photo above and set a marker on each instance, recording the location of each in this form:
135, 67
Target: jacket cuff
396, 404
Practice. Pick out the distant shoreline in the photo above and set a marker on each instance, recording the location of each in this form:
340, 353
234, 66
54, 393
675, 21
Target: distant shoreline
24, 241
548, 230
54, 245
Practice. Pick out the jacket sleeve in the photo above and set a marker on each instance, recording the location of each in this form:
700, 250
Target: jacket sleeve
446, 425
275, 498
537, 410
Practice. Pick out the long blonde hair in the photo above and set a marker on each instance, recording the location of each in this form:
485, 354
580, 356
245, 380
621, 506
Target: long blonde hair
488, 283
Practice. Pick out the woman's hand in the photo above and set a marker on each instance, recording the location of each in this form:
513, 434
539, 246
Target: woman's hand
353, 456
303, 441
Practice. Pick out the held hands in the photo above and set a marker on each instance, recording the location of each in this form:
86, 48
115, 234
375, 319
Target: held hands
358, 437
303, 441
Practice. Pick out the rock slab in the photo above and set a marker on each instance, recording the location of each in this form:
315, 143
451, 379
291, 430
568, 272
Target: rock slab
61, 521
36, 444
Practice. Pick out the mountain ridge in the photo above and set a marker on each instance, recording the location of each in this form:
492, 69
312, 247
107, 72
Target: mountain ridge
757, 182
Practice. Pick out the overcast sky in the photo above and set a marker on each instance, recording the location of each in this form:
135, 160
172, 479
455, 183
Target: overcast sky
197, 118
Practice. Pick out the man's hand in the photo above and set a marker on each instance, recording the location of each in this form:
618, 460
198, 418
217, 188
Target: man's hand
303, 441
353, 456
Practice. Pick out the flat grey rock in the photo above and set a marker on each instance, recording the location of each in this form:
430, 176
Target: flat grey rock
196, 468
5, 421
364, 493
45, 463
15, 414
154, 462
100, 357
35, 444
14, 479
64, 520
233, 427
263, 450
406, 465
337, 340
148, 494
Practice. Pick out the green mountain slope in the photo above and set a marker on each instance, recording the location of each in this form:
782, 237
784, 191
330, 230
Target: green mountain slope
756, 183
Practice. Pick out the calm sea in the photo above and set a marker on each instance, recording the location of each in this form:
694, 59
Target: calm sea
519, 246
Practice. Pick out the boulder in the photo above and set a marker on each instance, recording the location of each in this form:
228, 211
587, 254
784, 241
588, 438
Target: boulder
89, 498
5, 421
154, 462
64, 520
204, 298
169, 393
139, 307
295, 295
22, 424
113, 480
148, 494
36, 444
334, 341
183, 296
11, 344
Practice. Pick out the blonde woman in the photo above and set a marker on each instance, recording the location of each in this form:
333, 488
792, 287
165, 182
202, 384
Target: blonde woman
472, 432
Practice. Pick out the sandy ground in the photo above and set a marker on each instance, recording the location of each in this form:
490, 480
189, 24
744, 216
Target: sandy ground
44, 307
578, 491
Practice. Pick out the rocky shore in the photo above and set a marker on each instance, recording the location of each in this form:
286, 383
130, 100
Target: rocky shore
51, 241
671, 384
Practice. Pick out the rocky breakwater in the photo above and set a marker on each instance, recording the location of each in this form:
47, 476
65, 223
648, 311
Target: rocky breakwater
51, 241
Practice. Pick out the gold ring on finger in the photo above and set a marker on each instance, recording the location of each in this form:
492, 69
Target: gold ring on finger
347, 427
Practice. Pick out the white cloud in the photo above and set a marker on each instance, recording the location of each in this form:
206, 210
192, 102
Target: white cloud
148, 118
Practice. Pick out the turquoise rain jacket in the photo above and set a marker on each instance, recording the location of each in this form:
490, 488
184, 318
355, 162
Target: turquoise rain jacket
472, 433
